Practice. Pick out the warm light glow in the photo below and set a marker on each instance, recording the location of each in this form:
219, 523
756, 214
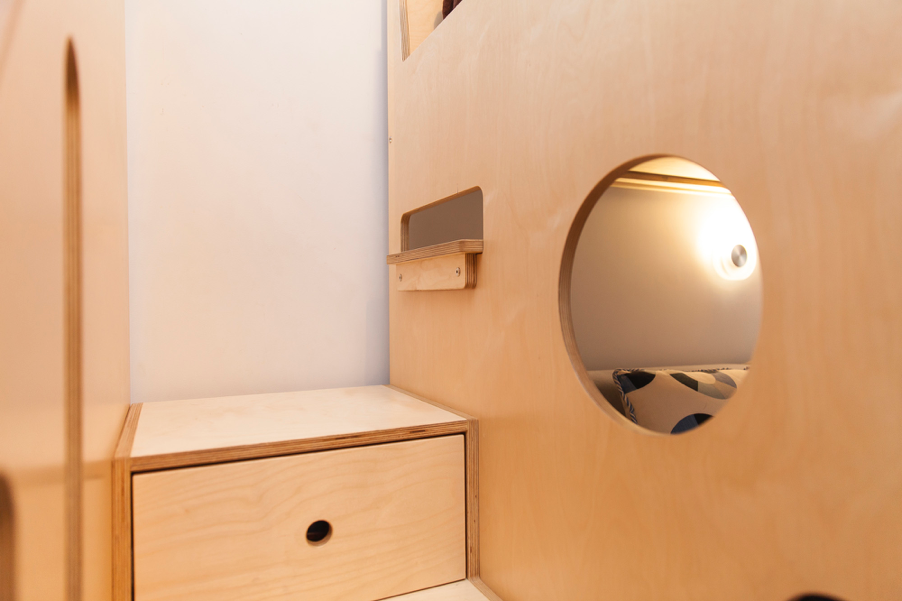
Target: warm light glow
723, 230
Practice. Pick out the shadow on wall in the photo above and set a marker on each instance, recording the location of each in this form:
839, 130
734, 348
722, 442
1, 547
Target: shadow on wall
6, 541
457, 218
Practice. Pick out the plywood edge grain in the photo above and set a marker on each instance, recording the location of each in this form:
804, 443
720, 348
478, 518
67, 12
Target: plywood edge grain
147, 463
455, 247
483, 588
462, 590
472, 498
471, 271
7, 544
122, 501
671, 179
129, 428
73, 329
471, 441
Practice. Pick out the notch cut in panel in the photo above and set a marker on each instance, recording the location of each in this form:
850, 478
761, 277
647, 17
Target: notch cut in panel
455, 218
419, 18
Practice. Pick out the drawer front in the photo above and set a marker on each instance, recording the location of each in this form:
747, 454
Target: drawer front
239, 530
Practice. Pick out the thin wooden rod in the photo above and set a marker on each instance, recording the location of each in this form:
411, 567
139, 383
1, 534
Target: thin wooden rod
72, 245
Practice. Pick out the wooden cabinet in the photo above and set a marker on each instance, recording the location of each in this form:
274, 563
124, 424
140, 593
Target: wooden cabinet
214, 498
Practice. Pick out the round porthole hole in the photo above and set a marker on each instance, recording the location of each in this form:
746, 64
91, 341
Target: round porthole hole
319, 532
661, 294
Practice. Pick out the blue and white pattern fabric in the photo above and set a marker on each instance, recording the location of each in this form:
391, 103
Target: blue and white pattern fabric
674, 401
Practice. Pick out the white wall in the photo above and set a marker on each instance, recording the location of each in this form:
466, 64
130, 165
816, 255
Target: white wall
644, 291
257, 164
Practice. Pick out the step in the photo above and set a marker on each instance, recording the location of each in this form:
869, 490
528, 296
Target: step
356, 493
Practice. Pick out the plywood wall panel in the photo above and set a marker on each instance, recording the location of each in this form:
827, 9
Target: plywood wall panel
32, 451
794, 486
32, 433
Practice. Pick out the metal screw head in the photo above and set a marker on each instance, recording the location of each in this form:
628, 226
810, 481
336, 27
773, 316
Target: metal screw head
400, 276
457, 272
739, 256
389, 140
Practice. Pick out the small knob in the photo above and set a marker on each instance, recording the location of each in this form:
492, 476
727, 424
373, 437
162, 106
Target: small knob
739, 256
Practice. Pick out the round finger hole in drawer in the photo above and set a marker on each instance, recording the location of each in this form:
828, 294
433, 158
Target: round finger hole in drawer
319, 532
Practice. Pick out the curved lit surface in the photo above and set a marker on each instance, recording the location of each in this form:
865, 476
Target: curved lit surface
725, 228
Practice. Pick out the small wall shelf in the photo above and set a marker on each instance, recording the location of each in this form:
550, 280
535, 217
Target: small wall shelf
447, 266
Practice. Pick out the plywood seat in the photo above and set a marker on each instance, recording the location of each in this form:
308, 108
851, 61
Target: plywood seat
351, 494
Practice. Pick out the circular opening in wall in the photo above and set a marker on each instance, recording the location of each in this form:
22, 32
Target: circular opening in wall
319, 532
661, 294
815, 598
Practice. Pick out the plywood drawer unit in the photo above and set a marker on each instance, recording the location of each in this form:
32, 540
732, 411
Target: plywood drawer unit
238, 530
213, 498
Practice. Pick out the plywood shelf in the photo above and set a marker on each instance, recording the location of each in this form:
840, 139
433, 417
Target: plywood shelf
447, 266
200, 431
456, 247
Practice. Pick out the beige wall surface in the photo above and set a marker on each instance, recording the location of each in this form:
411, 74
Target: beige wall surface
644, 294
32, 417
257, 193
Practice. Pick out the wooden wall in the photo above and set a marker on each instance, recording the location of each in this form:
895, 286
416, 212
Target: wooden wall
41, 444
797, 108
